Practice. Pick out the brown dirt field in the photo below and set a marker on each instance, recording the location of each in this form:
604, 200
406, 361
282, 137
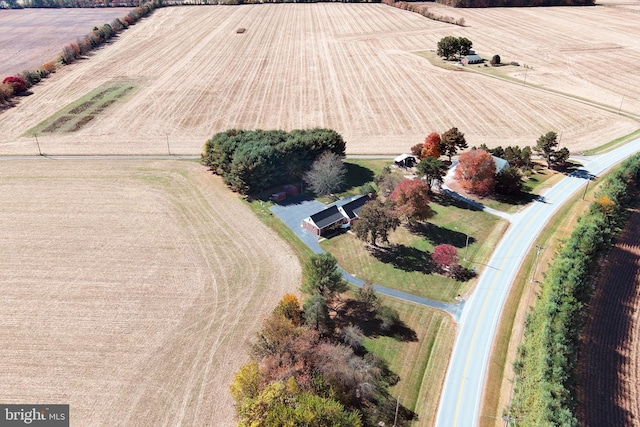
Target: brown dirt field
609, 358
31, 37
350, 67
130, 289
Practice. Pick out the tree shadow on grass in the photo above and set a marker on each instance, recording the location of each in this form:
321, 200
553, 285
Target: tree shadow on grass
405, 258
437, 235
354, 312
357, 176
444, 199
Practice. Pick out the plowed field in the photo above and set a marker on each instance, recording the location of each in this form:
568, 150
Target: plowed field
351, 67
129, 289
31, 37
609, 362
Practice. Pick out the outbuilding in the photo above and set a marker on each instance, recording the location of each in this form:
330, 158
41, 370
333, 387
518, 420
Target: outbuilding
405, 161
472, 58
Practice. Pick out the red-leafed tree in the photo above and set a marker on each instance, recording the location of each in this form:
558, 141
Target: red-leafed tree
18, 83
411, 198
431, 146
476, 172
445, 256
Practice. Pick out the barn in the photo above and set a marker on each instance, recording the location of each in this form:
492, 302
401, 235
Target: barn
337, 215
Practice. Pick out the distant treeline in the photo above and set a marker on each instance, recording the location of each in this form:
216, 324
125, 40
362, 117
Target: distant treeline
254, 160
544, 386
515, 3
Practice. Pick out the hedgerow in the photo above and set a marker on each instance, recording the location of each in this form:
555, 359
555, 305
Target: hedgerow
545, 374
75, 50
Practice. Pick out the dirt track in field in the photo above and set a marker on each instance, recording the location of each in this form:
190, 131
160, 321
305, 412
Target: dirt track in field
609, 361
130, 288
350, 67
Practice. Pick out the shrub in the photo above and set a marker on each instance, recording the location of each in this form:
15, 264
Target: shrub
6, 92
16, 82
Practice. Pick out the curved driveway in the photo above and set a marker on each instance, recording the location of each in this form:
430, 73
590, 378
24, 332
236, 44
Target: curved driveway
460, 398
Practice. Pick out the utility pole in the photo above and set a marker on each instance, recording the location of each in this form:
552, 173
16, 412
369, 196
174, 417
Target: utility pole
395, 421
535, 268
585, 188
525, 76
38, 144
620, 108
466, 249
168, 148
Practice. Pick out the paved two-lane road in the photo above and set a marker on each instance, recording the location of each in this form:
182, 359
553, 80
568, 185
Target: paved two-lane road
460, 400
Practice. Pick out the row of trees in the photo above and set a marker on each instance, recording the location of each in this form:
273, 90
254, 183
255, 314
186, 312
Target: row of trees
476, 169
544, 392
436, 145
424, 11
309, 367
253, 160
15, 85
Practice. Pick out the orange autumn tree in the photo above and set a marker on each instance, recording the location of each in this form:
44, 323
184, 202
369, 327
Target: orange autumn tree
476, 172
411, 199
431, 146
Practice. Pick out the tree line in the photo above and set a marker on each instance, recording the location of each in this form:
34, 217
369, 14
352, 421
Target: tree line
250, 161
16, 85
308, 364
545, 376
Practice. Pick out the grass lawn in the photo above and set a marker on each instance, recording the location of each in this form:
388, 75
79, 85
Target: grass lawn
404, 265
421, 364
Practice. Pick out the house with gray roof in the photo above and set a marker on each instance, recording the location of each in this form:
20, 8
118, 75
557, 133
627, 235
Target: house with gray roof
336, 215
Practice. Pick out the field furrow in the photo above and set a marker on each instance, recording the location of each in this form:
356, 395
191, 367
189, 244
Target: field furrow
350, 67
130, 289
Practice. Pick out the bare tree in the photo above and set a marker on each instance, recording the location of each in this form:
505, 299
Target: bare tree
327, 174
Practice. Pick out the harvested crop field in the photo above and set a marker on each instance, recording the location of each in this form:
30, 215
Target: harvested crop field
130, 289
350, 67
609, 358
31, 37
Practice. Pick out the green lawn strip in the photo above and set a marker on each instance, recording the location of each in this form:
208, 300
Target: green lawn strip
77, 114
421, 365
558, 228
406, 268
613, 144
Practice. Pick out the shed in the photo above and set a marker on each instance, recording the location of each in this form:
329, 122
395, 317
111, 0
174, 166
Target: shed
279, 196
291, 189
405, 161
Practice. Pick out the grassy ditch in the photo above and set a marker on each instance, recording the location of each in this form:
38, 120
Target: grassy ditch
521, 297
79, 113
613, 144
420, 363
